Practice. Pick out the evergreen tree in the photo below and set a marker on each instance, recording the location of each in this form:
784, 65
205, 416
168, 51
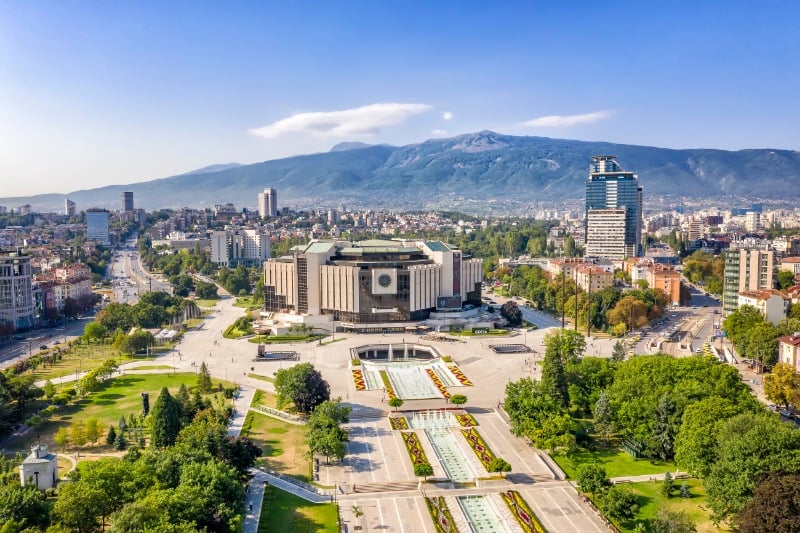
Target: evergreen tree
554, 380
204, 379
120, 443
668, 485
166, 420
603, 416
618, 354
184, 404
111, 437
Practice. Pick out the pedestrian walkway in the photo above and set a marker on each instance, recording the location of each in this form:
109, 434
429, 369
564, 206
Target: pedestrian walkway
254, 497
648, 477
241, 404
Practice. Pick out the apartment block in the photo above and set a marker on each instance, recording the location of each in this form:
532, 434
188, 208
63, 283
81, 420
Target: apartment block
240, 246
746, 269
16, 290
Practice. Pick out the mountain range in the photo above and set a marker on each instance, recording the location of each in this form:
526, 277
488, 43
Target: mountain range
472, 168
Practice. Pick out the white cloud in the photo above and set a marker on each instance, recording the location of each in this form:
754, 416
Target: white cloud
447, 115
364, 121
438, 133
565, 121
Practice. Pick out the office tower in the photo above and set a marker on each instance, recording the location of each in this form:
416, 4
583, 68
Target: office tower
746, 269
268, 203
127, 201
613, 196
16, 290
97, 226
69, 207
232, 247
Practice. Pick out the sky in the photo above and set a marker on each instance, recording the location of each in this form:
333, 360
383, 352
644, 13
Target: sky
97, 93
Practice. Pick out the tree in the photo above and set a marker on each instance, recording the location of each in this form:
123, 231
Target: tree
663, 441
205, 290
423, 469
23, 505
61, 437
619, 503
92, 430
684, 491
667, 485
94, 331
629, 311
603, 416
554, 380
775, 505
77, 435
49, 389
120, 443
111, 436
325, 434
749, 445
511, 312
396, 403
618, 353
458, 399
166, 422
785, 279
302, 385
592, 478
667, 521
204, 379
499, 464
782, 385
78, 507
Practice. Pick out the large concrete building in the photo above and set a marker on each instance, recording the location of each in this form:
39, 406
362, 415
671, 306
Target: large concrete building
16, 290
369, 282
746, 269
69, 207
613, 210
97, 226
268, 203
240, 246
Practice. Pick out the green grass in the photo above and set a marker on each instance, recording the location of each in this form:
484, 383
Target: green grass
282, 339
117, 397
260, 377
284, 445
246, 302
264, 398
82, 357
651, 500
282, 511
206, 302
616, 462
153, 367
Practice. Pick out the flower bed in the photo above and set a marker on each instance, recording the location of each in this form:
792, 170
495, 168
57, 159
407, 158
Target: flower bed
528, 521
358, 379
387, 384
478, 446
459, 375
437, 382
398, 422
442, 517
414, 448
466, 420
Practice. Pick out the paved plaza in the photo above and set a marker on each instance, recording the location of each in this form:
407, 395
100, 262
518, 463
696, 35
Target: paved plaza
377, 460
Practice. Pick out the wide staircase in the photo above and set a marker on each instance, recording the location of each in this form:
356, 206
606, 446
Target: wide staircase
397, 486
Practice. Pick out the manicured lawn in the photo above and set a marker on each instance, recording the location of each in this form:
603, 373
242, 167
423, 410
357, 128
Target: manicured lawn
262, 397
284, 445
260, 377
205, 302
282, 511
616, 462
651, 500
246, 302
119, 396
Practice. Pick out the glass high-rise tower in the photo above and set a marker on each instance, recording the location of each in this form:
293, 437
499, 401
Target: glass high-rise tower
613, 199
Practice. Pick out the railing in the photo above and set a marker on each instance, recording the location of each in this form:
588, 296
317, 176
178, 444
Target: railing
294, 481
275, 413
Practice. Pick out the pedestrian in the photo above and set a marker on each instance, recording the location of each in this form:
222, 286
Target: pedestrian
251, 506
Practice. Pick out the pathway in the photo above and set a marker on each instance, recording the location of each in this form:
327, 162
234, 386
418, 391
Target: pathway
648, 477
254, 498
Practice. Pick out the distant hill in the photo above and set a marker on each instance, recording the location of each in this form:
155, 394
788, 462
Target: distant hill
482, 166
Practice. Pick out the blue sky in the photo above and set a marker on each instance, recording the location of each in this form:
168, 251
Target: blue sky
99, 93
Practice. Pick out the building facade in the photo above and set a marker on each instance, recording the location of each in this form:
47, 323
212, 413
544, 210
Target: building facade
771, 303
613, 210
39, 469
240, 246
268, 203
746, 269
17, 304
370, 282
69, 207
789, 350
97, 226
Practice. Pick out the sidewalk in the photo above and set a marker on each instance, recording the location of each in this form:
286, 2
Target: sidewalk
648, 477
254, 497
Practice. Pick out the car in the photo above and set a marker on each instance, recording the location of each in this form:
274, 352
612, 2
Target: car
43, 347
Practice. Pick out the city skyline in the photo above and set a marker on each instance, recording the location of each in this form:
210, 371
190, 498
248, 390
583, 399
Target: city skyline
118, 94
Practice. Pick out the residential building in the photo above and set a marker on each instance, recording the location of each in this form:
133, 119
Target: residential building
613, 210
232, 247
39, 469
592, 278
73, 281
69, 207
789, 350
746, 269
792, 264
374, 281
771, 303
97, 226
127, 201
16, 290
268, 203
668, 280
752, 221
